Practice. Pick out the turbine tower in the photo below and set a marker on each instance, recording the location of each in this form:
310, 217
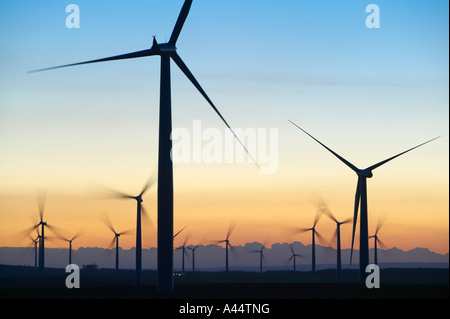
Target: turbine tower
337, 235
361, 202
166, 51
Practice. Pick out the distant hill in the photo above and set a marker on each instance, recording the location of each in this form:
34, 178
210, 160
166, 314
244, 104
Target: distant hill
212, 257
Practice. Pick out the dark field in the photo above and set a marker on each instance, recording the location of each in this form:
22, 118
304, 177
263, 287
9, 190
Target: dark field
17, 282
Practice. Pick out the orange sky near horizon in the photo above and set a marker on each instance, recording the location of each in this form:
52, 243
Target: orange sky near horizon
264, 208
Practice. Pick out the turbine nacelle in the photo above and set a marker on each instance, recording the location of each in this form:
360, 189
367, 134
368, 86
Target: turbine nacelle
364, 173
163, 47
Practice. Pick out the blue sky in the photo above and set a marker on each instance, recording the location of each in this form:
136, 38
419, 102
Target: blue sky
368, 93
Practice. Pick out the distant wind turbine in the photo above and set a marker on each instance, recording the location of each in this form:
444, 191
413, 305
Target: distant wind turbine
337, 234
166, 51
377, 240
115, 240
314, 233
227, 244
293, 256
193, 248
41, 197
183, 250
70, 242
141, 212
261, 256
361, 200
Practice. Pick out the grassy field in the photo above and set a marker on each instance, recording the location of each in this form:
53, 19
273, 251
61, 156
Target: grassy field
20, 282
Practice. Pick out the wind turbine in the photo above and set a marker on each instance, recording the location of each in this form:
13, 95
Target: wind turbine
377, 240
227, 244
35, 242
361, 202
70, 243
337, 234
314, 233
293, 256
140, 213
261, 256
41, 204
193, 249
115, 240
166, 51
183, 250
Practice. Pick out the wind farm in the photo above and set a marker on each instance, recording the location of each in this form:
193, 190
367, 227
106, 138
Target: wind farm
113, 119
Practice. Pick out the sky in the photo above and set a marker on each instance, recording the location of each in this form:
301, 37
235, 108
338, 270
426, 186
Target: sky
366, 93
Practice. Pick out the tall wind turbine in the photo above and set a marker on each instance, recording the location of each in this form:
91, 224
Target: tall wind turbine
361, 202
314, 233
337, 234
166, 51
115, 240
140, 213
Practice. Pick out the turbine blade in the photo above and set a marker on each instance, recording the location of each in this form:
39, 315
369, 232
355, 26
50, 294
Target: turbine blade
391, 158
41, 198
150, 182
353, 167
179, 232
180, 22
99, 191
231, 228
176, 58
380, 223
77, 235
105, 219
138, 54
355, 216
111, 244
126, 232
381, 244
146, 218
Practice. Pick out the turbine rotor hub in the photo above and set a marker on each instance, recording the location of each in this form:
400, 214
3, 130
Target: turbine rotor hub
365, 173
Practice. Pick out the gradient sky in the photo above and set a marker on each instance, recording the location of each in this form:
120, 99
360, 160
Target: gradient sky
366, 93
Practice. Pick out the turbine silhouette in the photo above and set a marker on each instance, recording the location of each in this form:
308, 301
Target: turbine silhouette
193, 248
166, 51
314, 233
377, 240
261, 256
337, 234
115, 240
141, 212
293, 256
361, 201
69, 241
227, 244
41, 198
183, 249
